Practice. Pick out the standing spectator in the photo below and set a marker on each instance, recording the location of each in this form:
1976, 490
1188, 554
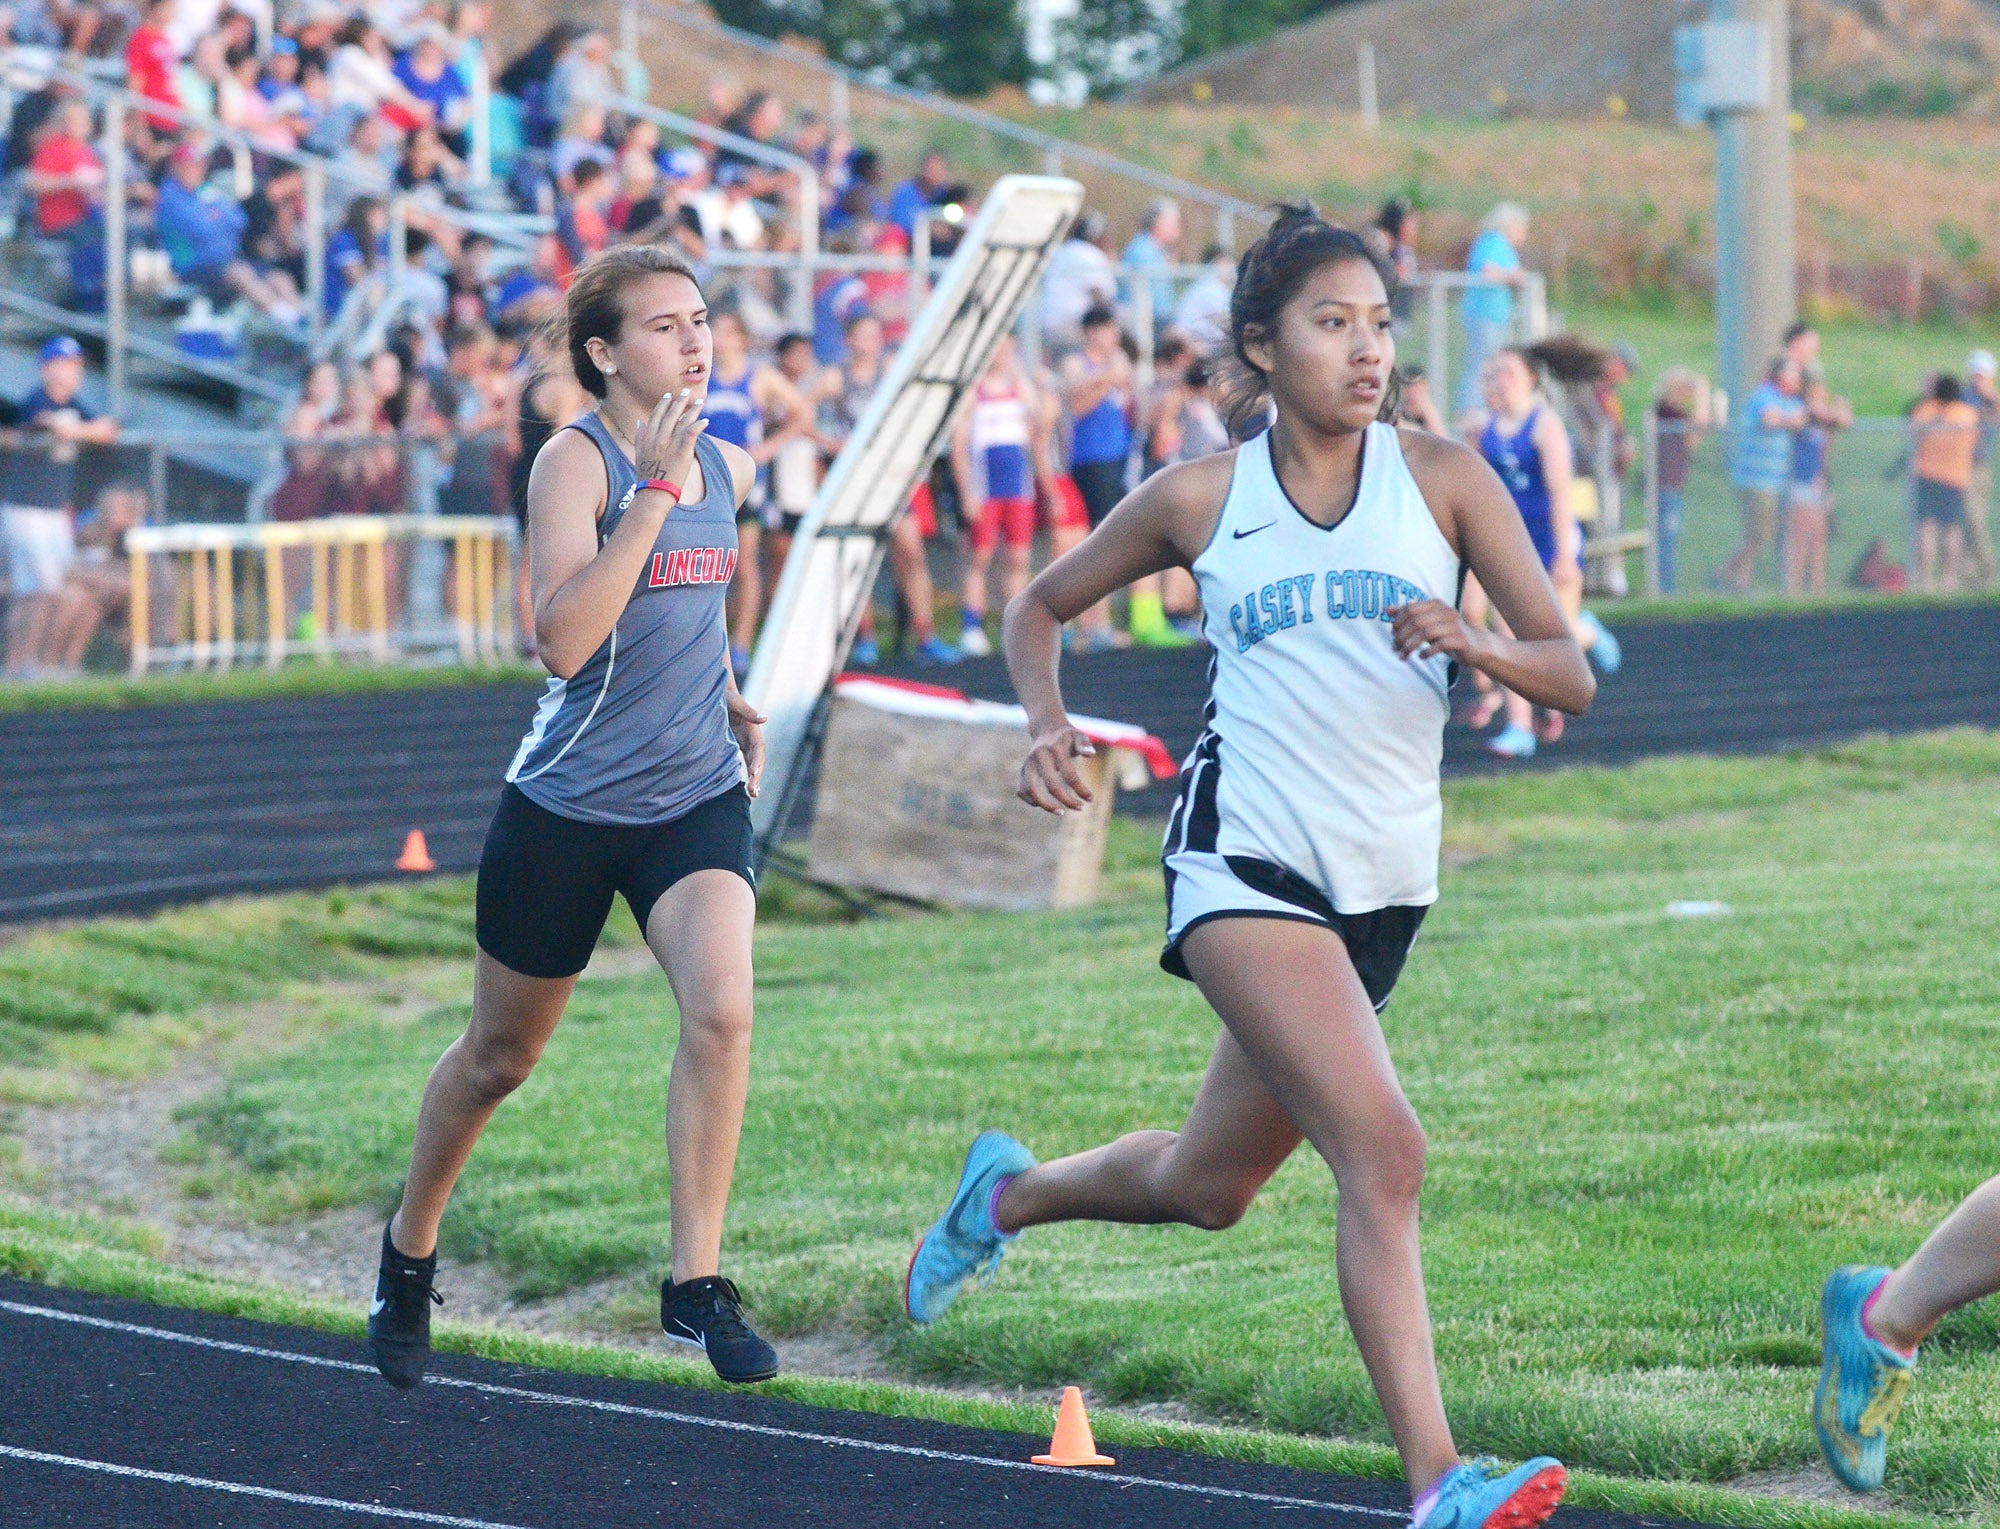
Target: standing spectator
65, 176
584, 217
1202, 314
1985, 397
1080, 277
1097, 396
1393, 237
1681, 413
913, 198
994, 449
1416, 405
761, 119
1763, 466
1944, 432
1487, 309
1157, 243
840, 295
308, 475
582, 138
795, 467
39, 496
1809, 495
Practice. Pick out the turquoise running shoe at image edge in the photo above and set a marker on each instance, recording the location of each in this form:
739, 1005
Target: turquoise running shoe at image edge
965, 1241
1862, 1382
1486, 1495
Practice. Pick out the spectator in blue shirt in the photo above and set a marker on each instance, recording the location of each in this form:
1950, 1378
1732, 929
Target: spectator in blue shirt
1487, 309
203, 236
922, 190
1155, 244
1776, 411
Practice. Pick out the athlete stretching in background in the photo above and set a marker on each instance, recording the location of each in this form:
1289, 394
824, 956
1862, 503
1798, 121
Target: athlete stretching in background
1303, 851
1872, 1320
1524, 442
635, 779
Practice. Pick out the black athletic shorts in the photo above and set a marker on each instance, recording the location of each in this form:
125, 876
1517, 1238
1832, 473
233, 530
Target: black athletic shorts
1205, 887
546, 881
1940, 503
1102, 485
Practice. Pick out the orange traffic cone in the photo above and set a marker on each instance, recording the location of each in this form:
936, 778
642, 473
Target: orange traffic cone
416, 854
1073, 1444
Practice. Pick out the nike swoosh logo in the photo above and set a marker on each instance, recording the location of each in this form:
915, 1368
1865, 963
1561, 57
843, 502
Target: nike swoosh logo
375, 1306
1255, 529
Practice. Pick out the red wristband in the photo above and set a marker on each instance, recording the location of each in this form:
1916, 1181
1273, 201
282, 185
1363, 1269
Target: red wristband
665, 486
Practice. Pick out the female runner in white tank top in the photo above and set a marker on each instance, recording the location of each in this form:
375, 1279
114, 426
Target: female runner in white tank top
1303, 851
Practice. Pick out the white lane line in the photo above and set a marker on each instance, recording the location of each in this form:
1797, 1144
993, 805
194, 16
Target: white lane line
696, 1420
174, 1478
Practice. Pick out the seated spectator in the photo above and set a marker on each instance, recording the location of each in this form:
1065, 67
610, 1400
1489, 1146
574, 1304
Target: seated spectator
582, 138
367, 473
241, 105
303, 495
761, 119
202, 72
429, 166
357, 252
470, 281
38, 497
152, 62
65, 176
924, 190
99, 583
729, 216
532, 293
427, 74
203, 237
274, 233
638, 186
584, 218
582, 77
363, 79
367, 161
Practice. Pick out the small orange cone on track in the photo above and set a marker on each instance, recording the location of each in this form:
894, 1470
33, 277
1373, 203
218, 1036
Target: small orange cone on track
416, 854
1073, 1444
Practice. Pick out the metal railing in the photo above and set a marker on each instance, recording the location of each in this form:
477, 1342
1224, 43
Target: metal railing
1055, 153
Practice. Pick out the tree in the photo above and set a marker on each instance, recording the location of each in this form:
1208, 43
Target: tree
1115, 43
961, 47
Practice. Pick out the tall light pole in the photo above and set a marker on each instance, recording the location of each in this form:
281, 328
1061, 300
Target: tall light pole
1737, 73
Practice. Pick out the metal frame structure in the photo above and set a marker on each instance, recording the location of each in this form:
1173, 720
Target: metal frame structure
835, 556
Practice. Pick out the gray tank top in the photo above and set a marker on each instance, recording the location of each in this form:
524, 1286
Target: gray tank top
640, 734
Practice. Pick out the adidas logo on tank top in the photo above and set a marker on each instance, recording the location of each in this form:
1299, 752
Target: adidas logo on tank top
1322, 746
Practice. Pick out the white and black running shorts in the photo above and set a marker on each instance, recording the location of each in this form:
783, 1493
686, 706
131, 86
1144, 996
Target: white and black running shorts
1203, 886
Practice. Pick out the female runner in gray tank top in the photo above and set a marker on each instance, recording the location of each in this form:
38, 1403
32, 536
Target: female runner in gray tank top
635, 778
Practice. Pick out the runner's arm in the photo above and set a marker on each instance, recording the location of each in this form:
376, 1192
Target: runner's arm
580, 589
1541, 662
1164, 523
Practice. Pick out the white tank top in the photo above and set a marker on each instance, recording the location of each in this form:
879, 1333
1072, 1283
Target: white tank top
1325, 745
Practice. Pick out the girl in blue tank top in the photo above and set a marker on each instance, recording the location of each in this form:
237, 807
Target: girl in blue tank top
634, 780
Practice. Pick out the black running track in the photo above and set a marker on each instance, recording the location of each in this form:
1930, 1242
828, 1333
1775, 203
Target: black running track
112, 1412
105, 810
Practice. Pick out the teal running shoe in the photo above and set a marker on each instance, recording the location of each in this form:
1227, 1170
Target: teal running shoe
1512, 742
1862, 1381
1486, 1495
965, 1242
1605, 655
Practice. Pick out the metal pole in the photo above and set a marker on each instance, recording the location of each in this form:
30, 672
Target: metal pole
1756, 292
1437, 351
482, 121
628, 46
802, 281
920, 266
117, 258
315, 237
1364, 62
1142, 326
1225, 228
836, 94
1649, 478
1535, 307
1052, 161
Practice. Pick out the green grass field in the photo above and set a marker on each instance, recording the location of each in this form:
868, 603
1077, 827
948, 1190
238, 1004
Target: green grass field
1651, 1137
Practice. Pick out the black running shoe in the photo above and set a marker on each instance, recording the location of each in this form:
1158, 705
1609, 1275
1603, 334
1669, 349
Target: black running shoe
707, 1314
399, 1321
